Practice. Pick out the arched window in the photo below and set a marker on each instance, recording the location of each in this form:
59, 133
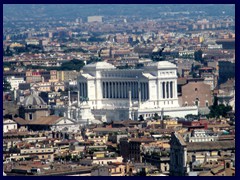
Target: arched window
227, 165
207, 104
197, 102
30, 116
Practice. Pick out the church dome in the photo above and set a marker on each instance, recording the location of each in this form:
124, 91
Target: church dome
34, 100
99, 65
160, 65
167, 64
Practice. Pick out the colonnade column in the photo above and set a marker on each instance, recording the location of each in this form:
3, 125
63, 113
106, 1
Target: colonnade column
109, 89
132, 89
116, 90
161, 86
139, 97
125, 90
163, 90
112, 89
175, 90
166, 90
105, 90
147, 91
81, 84
123, 86
121, 89
135, 90
83, 90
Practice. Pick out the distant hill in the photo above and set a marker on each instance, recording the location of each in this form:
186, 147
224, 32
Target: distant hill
21, 11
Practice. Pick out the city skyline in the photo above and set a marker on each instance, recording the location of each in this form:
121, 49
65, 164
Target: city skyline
119, 89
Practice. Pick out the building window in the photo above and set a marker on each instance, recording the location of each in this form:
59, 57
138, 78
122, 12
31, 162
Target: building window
196, 89
30, 116
207, 104
227, 165
165, 168
197, 102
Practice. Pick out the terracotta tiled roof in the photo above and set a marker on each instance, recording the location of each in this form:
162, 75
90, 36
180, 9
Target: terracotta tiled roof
180, 138
213, 145
109, 129
181, 81
49, 120
21, 121
218, 125
142, 140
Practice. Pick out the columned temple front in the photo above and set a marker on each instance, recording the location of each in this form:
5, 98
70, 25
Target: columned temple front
121, 94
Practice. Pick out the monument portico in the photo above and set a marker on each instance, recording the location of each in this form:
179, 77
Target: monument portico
128, 93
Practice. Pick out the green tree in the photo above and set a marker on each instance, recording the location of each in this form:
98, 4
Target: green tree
198, 55
142, 172
141, 118
96, 39
191, 116
196, 68
7, 64
14, 150
219, 110
156, 116
74, 64
8, 52
19, 50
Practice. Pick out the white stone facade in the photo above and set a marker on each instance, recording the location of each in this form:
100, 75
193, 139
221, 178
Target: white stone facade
14, 81
123, 94
201, 135
9, 125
